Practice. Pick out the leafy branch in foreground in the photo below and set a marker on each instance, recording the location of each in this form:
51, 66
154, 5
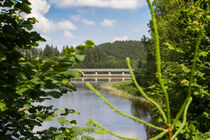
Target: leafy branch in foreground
25, 83
169, 125
108, 131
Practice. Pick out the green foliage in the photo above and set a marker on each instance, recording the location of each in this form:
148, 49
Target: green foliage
187, 21
196, 35
87, 138
26, 81
102, 130
127, 86
49, 51
112, 55
145, 68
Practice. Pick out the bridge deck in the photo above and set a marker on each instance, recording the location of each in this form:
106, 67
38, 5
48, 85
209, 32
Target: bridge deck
106, 75
104, 70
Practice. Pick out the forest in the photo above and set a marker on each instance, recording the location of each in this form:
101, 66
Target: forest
106, 55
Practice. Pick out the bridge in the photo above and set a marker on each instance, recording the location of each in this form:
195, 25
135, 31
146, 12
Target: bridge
103, 75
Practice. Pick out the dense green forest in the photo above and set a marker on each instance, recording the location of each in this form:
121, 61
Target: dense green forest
180, 24
106, 55
113, 55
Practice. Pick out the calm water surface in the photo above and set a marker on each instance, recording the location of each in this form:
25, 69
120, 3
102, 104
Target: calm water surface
91, 106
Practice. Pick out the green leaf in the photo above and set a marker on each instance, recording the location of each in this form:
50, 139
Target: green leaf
204, 54
84, 137
3, 106
206, 114
21, 90
169, 46
64, 81
178, 123
74, 138
63, 121
187, 136
73, 122
60, 67
160, 120
185, 69
88, 124
80, 47
32, 20
50, 118
90, 44
77, 130
60, 136
100, 131
46, 66
72, 73
55, 94
80, 57
36, 80
60, 110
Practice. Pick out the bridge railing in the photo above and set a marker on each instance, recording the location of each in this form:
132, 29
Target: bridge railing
104, 75
105, 71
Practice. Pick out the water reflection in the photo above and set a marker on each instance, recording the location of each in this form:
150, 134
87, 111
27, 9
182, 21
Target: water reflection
91, 106
141, 110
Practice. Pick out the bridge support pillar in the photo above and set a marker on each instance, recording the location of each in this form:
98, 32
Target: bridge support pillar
123, 79
109, 73
96, 73
123, 73
96, 80
110, 80
83, 80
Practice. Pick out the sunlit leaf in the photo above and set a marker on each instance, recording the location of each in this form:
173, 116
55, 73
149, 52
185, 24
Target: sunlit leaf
63, 121
2, 106
100, 131
73, 122
90, 44
64, 81
84, 137
77, 130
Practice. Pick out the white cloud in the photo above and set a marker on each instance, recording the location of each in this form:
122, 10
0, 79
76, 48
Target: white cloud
84, 21
115, 4
108, 23
39, 9
66, 25
75, 17
88, 22
120, 38
68, 34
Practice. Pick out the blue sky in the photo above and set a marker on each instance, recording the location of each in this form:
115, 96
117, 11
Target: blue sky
71, 22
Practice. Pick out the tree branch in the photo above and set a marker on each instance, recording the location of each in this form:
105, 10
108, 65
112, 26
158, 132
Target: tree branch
121, 113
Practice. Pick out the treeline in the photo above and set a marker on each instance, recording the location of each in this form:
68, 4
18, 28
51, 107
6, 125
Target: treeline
113, 55
106, 55
48, 52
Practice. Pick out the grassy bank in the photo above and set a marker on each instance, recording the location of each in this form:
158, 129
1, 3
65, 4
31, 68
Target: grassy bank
127, 87
123, 89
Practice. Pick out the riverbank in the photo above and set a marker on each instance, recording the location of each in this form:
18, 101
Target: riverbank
128, 93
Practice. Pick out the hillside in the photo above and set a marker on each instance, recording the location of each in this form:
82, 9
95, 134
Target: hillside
113, 55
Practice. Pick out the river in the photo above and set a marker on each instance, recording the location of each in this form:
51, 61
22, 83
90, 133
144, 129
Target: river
91, 106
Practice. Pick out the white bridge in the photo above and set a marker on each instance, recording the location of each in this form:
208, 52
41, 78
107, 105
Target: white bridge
103, 75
